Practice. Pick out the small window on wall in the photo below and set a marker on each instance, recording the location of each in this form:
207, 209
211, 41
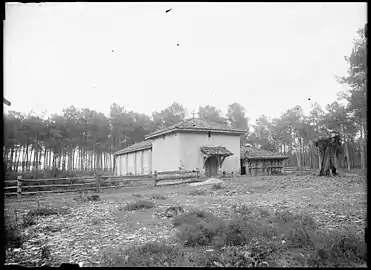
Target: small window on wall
209, 134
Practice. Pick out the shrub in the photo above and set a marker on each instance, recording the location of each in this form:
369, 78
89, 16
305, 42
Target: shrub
198, 227
149, 254
141, 204
198, 192
217, 186
256, 237
194, 217
48, 211
158, 197
338, 249
13, 235
28, 220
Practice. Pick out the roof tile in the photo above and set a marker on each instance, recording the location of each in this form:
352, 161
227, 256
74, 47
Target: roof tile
219, 150
135, 146
196, 123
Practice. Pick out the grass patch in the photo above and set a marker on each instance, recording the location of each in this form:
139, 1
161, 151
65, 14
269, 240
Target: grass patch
13, 235
198, 227
256, 237
151, 254
217, 186
158, 197
140, 204
48, 212
197, 192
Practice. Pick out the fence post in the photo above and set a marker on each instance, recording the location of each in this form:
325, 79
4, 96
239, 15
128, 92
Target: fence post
97, 178
19, 186
155, 177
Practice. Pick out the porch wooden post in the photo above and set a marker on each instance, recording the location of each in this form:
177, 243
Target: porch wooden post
155, 177
97, 182
19, 186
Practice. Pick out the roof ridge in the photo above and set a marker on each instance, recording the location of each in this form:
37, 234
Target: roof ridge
197, 124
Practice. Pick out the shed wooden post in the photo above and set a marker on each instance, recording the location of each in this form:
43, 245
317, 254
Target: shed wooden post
19, 186
97, 180
155, 177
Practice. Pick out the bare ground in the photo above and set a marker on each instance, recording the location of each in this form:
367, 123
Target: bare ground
91, 230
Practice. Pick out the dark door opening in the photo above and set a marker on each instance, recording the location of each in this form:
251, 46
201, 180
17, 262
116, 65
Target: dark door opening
211, 166
243, 169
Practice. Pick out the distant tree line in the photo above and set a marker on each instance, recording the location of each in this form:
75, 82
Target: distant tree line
84, 139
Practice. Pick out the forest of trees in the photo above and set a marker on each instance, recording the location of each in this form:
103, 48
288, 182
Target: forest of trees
84, 140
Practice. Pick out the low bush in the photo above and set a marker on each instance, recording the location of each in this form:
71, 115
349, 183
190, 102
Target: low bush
195, 217
151, 254
12, 235
28, 220
48, 211
198, 227
217, 186
257, 237
338, 249
198, 192
140, 204
158, 197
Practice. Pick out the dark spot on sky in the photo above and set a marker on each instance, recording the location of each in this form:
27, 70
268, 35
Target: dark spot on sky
113, 50
308, 98
177, 44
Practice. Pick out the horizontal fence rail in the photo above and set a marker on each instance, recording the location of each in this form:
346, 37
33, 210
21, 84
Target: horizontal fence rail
296, 169
175, 175
22, 186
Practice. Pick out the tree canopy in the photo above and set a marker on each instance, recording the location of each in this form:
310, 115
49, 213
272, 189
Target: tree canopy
84, 139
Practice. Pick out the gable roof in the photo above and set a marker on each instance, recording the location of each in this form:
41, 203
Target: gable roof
249, 152
196, 124
135, 147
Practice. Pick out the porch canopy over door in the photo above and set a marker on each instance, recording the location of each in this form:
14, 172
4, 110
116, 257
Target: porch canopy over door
219, 152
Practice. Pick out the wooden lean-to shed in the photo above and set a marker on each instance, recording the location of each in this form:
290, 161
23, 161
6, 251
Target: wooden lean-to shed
261, 162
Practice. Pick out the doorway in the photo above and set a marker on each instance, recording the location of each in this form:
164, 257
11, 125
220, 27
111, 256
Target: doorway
211, 166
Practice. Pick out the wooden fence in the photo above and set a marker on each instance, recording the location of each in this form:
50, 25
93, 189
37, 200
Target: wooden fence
21, 186
296, 169
175, 175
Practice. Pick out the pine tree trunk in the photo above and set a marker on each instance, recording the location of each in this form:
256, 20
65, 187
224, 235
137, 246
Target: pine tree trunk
26, 159
51, 159
40, 156
45, 159
18, 158
91, 160
72, 158
361, 145
36, 157
11, 159
63, 158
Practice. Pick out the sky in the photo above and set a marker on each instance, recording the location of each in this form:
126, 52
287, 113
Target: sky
269, 57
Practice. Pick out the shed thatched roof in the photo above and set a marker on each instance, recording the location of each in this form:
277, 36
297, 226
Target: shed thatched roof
248, 152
